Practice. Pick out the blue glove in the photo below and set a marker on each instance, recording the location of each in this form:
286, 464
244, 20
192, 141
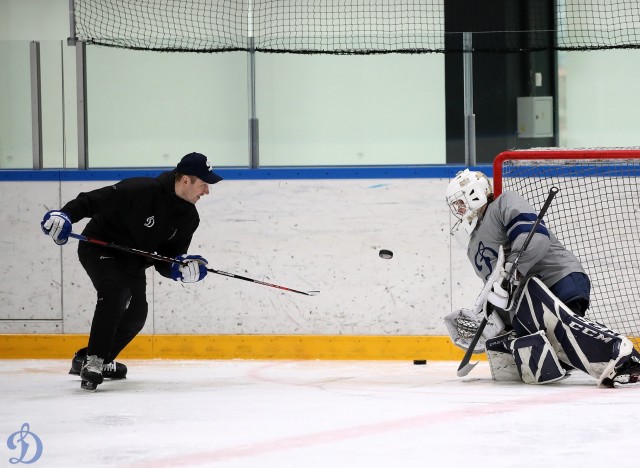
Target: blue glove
57, 225
194, 269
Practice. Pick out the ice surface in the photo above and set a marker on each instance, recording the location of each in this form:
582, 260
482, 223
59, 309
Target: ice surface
312, 414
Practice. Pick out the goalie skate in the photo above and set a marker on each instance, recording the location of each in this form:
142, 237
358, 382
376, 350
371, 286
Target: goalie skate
627, 375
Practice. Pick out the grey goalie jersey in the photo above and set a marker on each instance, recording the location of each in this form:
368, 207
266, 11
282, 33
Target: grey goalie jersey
507, 221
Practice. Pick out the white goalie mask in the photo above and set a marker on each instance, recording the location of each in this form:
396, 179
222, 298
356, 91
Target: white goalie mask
466, 194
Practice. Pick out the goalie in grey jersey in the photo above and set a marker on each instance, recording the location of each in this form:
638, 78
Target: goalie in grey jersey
538, 330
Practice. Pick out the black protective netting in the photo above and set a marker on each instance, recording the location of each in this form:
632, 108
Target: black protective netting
358, 26
596, 215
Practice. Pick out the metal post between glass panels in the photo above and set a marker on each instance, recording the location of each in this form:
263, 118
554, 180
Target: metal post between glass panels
469, 117
36, 104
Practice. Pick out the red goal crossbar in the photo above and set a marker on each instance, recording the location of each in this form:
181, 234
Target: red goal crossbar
556, 154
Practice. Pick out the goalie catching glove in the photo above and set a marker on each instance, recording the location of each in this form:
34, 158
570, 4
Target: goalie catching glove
192, 268
462, 326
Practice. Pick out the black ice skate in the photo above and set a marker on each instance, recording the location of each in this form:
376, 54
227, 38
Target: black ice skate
113, 370
91, 373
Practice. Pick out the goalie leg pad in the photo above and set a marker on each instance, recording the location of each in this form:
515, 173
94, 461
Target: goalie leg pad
501, 361
577, 341
536, 360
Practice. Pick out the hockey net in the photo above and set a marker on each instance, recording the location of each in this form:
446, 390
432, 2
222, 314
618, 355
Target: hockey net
596, 215
356, 26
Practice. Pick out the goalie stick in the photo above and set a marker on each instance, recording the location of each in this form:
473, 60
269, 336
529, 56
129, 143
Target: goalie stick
154, 256
464, 368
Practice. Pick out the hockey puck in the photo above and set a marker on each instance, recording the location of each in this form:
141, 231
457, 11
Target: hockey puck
419, 362
386, 254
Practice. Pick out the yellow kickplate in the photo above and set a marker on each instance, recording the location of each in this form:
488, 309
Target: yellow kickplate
242, 347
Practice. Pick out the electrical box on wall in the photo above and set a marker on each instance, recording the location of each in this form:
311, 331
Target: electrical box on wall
535, 117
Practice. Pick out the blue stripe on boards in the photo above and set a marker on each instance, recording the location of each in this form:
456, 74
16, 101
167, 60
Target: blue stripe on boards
276, 173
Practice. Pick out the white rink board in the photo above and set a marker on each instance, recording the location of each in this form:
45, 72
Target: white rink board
303, 234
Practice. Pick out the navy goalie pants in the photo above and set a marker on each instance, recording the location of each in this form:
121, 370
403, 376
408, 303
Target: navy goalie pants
574, 291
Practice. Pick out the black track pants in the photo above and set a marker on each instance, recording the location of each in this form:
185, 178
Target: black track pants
121, 307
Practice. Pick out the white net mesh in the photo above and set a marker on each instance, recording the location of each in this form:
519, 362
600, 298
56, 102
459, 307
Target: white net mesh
595, 215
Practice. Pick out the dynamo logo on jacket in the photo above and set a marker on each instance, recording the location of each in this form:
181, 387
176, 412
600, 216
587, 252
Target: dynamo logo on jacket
483, 258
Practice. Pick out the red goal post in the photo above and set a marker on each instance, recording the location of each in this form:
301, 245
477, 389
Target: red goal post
596, 215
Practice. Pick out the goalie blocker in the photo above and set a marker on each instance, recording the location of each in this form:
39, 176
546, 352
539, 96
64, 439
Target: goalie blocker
546, 333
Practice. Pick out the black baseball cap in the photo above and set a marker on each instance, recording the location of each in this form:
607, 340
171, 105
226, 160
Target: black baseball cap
198, 165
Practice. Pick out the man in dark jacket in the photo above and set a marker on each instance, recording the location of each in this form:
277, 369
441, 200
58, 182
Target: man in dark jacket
149, 214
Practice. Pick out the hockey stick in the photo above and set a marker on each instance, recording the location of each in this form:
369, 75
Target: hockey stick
154, 256
464, 368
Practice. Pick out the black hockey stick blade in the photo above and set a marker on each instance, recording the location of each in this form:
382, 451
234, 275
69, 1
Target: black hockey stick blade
464, 368
462, 372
